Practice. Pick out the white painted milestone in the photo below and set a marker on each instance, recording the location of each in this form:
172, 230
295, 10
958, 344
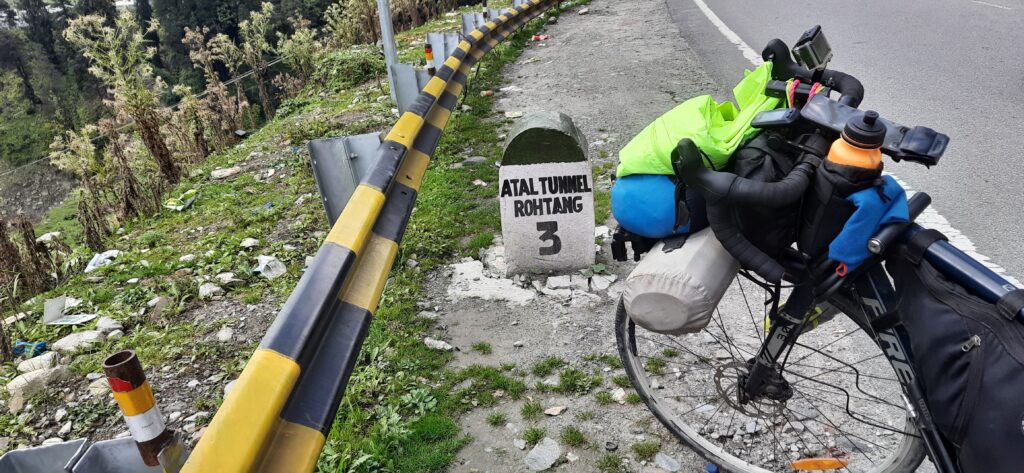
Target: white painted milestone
547, 216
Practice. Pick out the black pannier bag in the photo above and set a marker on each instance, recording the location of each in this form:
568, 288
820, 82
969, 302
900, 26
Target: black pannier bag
970, 360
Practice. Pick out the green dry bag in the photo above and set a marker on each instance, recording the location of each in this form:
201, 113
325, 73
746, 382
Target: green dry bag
717, 129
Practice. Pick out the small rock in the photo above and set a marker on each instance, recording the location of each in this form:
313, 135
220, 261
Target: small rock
198, 416
426, 314
93, 376
249, 243
572, 457
60, 415
513, 114
543, 455
174, 416
48, 237
554, 411
611, 446
78, 341
52, 441
655, 384
107, 325
472, 160
228, 387
619, 395
225, 173
228, 279
47, 360
752, 427
189, 427
65, 429
99, 387
666, 462
156, 300
559, 282
519, 443
115, 335
793, 426
437, 344
183, 272
601, 282
584, 11
210, 290
193, 384
133, 280
411, 263
187, 259
479, 183
517, 344
225, 334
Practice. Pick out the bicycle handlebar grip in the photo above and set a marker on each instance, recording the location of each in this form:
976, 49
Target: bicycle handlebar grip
748, 255
849, 86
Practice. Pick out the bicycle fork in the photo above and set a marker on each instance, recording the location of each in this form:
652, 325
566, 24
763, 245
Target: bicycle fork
785, 329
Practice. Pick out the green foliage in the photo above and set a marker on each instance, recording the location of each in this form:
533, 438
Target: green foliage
610, 463
531, 410
655, 366
340, 69
497, 418
646, 451
483, 348
603, 398
621, 380
534, 435
670, 353
574, 381
633, 398
548, 365
573, 437
585, 415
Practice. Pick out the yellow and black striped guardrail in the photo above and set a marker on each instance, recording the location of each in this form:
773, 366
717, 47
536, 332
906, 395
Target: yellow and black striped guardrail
280, 410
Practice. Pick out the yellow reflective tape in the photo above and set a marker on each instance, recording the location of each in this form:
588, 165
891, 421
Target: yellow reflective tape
490, 24
405, 129
414, 166
465, 70
357, 219
367, 282
295, 448
493, 42
438, 117
245, 422
452, 62
464, 46
137, 400
476, 53
476, 34
504, 18
434, 87
455, 89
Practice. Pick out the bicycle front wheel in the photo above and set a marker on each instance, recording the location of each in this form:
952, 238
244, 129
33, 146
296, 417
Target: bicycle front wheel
844, 402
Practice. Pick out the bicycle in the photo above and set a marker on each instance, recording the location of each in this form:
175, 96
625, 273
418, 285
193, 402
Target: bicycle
754, 396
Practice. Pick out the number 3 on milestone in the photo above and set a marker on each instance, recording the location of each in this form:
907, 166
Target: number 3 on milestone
548, 230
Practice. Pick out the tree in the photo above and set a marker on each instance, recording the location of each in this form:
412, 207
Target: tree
14, 57
144, 15
120, 57
104, 8
351, 22
8, 17
225, 110
40, 27
254, 49
299, 52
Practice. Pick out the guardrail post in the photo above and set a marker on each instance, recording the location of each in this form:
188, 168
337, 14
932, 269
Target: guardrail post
135, 398
339, 164
387, 36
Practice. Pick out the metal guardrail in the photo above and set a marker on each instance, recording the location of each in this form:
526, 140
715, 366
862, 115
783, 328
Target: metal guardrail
277, 416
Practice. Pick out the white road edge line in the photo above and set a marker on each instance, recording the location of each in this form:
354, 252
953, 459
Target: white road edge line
930, 217
993, 5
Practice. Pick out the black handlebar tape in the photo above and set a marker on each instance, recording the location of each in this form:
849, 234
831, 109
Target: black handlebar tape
847, 85
771, 194
748, 255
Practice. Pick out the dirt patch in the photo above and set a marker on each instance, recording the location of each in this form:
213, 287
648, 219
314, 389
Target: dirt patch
31, 191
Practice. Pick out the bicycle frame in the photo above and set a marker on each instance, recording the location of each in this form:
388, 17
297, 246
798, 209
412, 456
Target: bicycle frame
868, 296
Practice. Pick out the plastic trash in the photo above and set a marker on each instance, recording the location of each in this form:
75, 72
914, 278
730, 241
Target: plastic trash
183, 202
31, 349
101, 260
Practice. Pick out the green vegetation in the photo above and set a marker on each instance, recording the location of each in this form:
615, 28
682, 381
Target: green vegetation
585, 415
669, 353
483, 348
531, 410
621, 380
655, 366
496, 419
610, 463
603, 398
573, 437
548, 365
633, 398
574, 381
533, 435
646, 451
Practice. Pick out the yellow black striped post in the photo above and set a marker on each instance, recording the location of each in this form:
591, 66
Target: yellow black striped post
135, 398
283, 405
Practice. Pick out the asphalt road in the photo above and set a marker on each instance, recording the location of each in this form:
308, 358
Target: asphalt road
953, 65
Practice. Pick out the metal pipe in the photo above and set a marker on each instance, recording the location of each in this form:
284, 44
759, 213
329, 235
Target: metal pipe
387, 36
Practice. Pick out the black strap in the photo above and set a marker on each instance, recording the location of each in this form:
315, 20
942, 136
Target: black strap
1011, 303
920, 242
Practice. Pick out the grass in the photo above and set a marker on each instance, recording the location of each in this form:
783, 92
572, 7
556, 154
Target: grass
531, 410
603, 398
547, 366
573, 437
585, 415
483, 348
670, 353
575, 381
633, 398
621, 380
655, 366
497, 419
610, 463
645, 451
534, 435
